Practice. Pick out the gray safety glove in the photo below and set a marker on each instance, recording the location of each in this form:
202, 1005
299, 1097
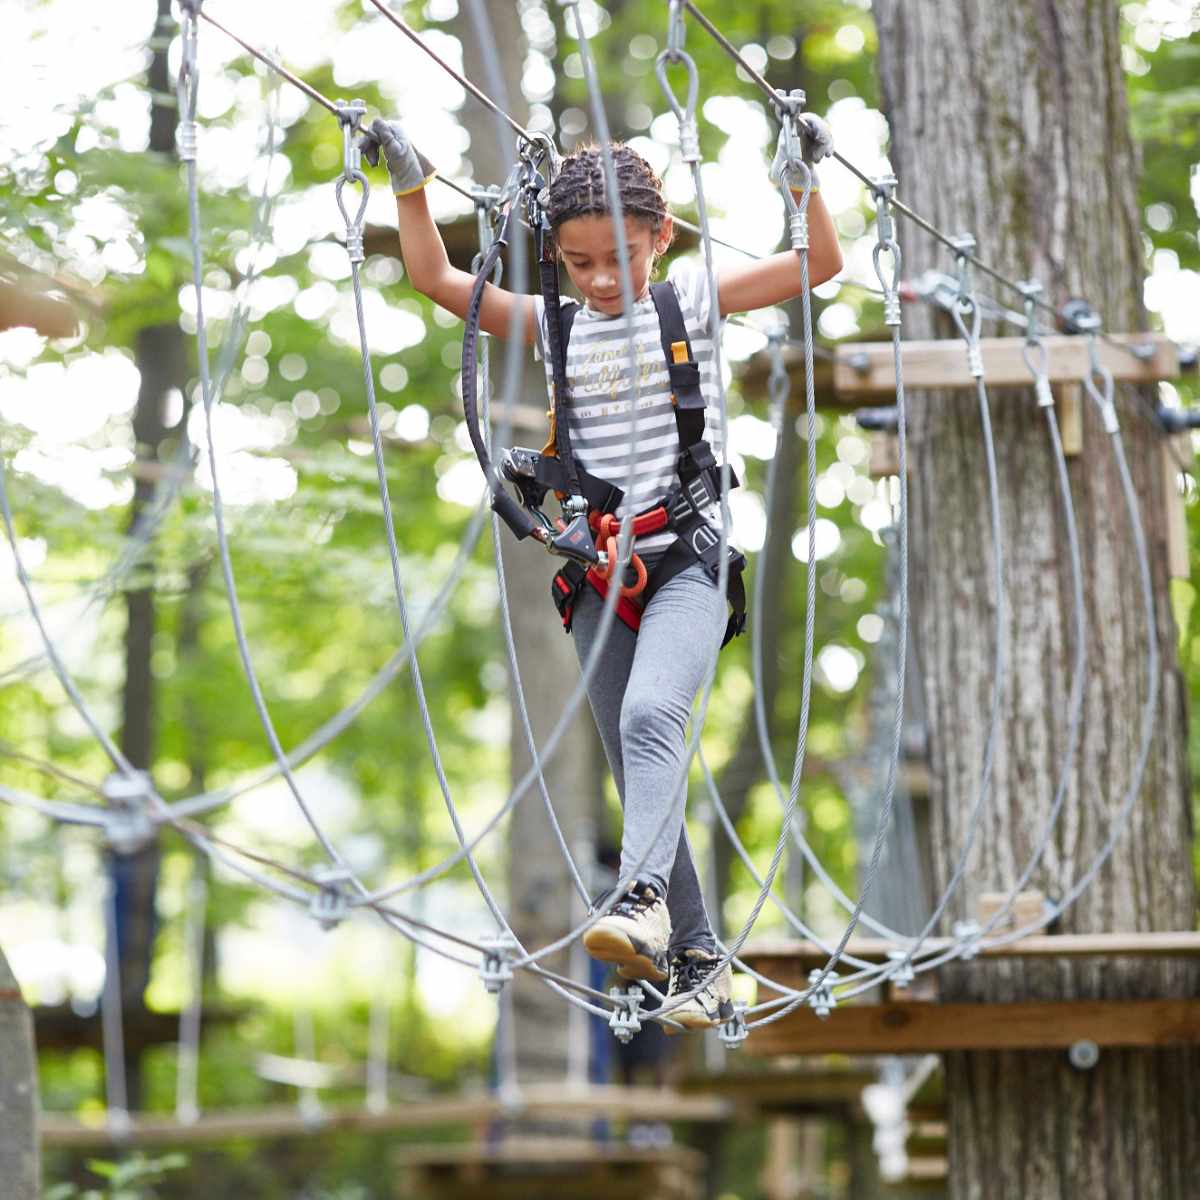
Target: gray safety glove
816, 143
408, 169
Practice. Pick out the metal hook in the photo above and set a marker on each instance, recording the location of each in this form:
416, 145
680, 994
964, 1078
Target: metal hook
882, 188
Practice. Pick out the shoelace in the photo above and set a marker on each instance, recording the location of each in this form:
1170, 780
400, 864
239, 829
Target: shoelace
632, 904
687, 973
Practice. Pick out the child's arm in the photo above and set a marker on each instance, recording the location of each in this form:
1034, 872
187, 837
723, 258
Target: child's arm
776, 279
425, 259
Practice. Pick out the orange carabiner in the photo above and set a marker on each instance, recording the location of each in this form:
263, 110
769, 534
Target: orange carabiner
635, 588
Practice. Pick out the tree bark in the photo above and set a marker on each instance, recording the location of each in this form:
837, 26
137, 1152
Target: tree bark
18, 1093
1011, 121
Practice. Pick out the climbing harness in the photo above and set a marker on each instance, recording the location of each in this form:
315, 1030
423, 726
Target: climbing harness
587, 534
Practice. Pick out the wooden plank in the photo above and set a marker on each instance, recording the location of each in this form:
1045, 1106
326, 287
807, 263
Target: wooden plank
773, 956
1070, 417
866, 369
1179, 564
938, 1028
618, 1103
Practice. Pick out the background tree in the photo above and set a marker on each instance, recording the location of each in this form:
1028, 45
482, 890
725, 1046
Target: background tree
1045, 174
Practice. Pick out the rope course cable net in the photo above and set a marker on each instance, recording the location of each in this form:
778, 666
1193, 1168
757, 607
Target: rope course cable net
131, 810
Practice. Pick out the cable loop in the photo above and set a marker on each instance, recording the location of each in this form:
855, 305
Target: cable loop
354, 225
689, 130
187, 83
1034, 352
966, 307
1101, 395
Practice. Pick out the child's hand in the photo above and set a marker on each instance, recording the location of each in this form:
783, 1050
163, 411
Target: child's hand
816, 143
408, 169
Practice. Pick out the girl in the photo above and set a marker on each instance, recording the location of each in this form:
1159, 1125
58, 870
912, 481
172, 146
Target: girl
642, 691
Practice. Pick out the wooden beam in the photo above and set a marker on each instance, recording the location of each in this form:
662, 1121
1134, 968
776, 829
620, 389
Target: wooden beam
532, 1169
938, 1028
617, 1103
799, 1090
865, 369
772, 956
1179, 558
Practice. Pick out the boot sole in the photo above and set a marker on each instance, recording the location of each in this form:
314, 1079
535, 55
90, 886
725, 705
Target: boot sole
632, 959
692, 1021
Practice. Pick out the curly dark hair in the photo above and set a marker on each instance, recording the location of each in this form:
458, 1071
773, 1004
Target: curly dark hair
578, 188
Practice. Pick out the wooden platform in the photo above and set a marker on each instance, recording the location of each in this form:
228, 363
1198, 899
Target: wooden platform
790, 960
859, 372
551, 1169
923, 1028
926, 1026
615, 1103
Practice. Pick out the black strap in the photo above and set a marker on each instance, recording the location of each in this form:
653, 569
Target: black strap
513, 515
686, 396
556, 351
679, 557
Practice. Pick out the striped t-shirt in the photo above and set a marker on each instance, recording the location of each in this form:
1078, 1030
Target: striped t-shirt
599, 376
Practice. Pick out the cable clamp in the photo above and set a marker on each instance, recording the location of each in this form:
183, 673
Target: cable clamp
185, 140
798, 229
904, 974
625, 1018
821, 998
968, 932
975, 360
689, 139
891, 308
733, 1032
128, 826
331, 904
495, 969
1045, 397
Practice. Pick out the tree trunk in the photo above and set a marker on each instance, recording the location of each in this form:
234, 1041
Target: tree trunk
542, 905
18, 1093
161, 357
1011, 121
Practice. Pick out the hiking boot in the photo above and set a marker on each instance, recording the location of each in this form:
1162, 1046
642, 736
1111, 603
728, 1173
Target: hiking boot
634, 935
709, 1007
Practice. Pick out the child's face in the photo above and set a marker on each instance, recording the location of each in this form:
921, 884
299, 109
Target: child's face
588, 246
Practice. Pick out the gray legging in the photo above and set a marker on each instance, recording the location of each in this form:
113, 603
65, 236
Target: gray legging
641, 696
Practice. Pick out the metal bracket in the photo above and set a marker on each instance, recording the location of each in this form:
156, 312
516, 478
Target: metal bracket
331, 905
496, 967
625, 1018
968, 931
734, 1032
821, 999
904, 974
128, 826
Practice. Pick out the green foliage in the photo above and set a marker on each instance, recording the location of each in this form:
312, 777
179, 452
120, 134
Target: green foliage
127, 1180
